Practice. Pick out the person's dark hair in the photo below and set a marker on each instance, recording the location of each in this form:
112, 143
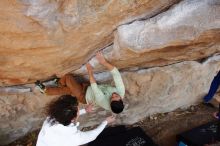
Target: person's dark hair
117, 106
62, 110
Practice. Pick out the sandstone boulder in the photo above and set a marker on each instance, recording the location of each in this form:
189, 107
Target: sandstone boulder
189, 30
40, 38
167, 51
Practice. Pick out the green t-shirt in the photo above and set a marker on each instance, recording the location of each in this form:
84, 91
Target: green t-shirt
101, 94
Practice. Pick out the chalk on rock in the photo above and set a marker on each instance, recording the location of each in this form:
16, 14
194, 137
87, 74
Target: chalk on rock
15, 89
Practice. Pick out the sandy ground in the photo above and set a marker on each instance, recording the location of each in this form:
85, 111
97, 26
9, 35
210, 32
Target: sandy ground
163, 128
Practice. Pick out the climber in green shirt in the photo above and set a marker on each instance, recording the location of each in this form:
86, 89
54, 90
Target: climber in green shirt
106, 96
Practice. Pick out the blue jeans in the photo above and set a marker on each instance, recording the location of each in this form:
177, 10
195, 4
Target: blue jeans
213, 88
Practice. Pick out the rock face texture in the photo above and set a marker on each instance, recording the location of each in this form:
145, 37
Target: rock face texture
40, 38
182, 33
187, 31
167, 51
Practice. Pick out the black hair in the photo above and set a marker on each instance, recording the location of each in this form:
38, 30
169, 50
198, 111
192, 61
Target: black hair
62, 110
117, 106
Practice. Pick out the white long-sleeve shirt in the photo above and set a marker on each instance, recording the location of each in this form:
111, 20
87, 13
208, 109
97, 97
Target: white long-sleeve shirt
60, 135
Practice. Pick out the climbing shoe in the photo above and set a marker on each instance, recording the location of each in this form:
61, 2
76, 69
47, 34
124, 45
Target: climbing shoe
56, 81
40, 86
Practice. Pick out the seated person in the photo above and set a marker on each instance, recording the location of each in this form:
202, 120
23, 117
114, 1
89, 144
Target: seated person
60, 126
106, 96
